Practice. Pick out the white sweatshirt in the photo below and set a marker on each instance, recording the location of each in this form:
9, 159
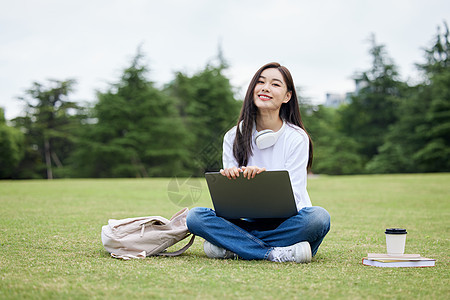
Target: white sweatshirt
290, 152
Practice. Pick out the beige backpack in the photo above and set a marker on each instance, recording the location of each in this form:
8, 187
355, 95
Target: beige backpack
145, 236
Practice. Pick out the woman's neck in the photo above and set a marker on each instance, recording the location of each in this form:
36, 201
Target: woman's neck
268, 120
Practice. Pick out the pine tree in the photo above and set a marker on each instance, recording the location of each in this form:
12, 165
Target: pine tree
209, 109
137, 133
373, 108
420, 140
11, 148
49, 125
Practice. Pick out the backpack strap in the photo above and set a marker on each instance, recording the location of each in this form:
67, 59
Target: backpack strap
178, 252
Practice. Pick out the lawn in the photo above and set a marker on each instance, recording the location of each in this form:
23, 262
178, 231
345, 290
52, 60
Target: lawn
50, 245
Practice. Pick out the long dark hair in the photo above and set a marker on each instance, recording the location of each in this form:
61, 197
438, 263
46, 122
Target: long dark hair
289, 112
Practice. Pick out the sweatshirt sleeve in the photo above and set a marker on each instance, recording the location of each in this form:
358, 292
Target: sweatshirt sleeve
296, 165
228, 159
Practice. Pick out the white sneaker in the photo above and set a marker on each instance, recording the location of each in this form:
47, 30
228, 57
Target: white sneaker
300, 253
213, 251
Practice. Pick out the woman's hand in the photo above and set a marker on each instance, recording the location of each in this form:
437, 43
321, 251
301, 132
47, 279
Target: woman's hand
248, 172
232, 172
251, 171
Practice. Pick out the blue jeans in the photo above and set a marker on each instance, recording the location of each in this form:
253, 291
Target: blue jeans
255, 239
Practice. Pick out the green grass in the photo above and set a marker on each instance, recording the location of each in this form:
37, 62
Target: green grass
50, 243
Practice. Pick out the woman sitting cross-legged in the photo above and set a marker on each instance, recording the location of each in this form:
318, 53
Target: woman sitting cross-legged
270, 104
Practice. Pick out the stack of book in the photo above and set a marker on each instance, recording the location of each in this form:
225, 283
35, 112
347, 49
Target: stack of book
395, 261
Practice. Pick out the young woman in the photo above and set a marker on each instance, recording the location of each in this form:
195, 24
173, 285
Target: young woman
270, 105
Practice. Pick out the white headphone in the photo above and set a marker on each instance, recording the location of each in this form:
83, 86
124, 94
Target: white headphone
265, 138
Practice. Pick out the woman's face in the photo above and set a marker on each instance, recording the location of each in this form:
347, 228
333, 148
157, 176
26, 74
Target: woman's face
271, 90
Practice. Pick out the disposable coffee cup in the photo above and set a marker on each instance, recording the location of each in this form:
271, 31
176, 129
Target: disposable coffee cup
395, 241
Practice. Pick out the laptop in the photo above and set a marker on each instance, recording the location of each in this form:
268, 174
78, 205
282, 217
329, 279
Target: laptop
268, 195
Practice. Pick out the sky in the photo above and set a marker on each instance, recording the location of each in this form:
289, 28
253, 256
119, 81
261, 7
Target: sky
323, 42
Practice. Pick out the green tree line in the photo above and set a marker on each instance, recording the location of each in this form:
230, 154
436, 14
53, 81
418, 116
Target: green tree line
135, 129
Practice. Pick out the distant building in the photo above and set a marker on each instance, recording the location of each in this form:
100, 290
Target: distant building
359, 84
336, 100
